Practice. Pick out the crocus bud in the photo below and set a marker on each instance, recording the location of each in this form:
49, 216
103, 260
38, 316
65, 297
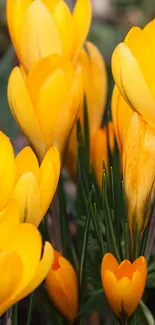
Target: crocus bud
39, 28
139, 171
62, 286
99, 149
45, 103
123, 283
134, 70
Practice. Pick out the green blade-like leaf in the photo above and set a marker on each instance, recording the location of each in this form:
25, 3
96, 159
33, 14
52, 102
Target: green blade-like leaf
30, 308
94, 302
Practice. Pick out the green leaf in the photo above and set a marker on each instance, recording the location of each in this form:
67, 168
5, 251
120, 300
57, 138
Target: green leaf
150, 283
30, 308
15, 314
93, 303
142, 316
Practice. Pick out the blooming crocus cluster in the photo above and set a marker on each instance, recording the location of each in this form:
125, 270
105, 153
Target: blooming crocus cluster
123, 283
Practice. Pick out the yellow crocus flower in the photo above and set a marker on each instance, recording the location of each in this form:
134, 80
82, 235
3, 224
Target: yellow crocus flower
45, 103
139, 171
133, 66
39, 28
95, 88
24, 261
22, 180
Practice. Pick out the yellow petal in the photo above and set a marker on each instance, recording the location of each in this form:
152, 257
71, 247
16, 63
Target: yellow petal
96, 89
23, 111
82, 16
26, 161
131, 152
41, 271
40, 36
49, 176
15, 13
26, 241
141, 50
149, 31
27, 194
11, 271
65, 26
134, 85
109, 263
121, 114
130, 296
9, 219
7, 170
112, 293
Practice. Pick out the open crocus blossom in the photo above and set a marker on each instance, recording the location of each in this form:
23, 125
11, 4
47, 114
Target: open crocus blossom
95, 89
22, 179
139, 171
24, 261
121, 114
123, 283
99, 149
62, 286
133, 66
39, 28
45, 103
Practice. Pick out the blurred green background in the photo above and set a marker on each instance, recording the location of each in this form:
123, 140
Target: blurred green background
111, 21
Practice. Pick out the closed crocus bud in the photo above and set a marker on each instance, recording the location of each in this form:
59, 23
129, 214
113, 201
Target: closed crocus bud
30, 185
62, 287
121, 115
134, 70
99, 149
39, 28
95, 88
46, 102
123, 283
139, 171
24, 260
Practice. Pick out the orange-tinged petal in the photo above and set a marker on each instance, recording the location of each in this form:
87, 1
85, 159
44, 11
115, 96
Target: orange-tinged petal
149, 31
136, 41
109, 263
141, 265
27, 194
11, 271
49, 176
26, 161
134, 84
125, 269
82, 16
63, 283
112, 293
96, 89
121, 114
9, 219
23, 111
15, 13
26, 241
130, 296
99, 153
39, 36
64, 22
7, 170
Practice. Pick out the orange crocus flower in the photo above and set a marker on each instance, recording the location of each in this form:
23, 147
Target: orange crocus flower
123, 283
62, 286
